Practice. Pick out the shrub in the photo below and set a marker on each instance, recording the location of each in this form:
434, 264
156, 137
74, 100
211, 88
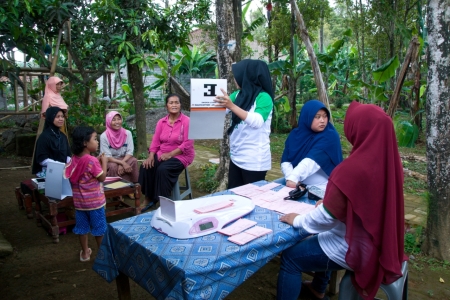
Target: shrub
206, 183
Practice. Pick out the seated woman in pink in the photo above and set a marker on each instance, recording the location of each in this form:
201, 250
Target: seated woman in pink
117, 145
169, 154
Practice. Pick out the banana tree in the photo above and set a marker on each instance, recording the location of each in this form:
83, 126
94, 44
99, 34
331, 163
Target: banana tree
293, 67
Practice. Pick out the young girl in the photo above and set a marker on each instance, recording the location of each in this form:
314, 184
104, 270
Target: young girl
85, 174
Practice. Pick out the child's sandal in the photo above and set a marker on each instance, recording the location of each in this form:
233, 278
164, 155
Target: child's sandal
85, 259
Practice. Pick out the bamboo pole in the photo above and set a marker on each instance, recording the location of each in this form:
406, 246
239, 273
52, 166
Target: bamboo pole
44, 70
55, 56
321, 90
411, 55
16, 96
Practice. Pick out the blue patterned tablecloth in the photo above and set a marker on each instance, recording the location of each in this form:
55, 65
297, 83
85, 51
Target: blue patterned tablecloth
207, 267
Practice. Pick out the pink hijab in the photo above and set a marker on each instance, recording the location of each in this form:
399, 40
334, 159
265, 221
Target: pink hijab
52, 97
116, 138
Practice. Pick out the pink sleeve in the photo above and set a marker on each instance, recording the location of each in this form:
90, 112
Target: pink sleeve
96, 169
156, 140
187, 144
44, 105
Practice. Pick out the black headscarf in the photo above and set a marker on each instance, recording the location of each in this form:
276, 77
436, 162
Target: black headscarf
253, 77
52, 143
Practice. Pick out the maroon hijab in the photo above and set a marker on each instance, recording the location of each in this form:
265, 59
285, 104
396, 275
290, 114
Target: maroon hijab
367, 195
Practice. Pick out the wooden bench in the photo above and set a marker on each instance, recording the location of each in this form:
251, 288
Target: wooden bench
50, 220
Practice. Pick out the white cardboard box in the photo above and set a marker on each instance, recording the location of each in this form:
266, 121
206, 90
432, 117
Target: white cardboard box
38, 183
56, 186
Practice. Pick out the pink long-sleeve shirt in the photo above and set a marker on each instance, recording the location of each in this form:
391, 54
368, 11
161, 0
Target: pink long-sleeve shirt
169, 137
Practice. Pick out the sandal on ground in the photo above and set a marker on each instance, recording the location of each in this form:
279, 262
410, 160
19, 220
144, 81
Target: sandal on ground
310, 294
147, 207
85, 259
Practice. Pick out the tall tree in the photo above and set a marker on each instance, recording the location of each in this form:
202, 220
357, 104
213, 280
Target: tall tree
140, 27
225, 32
437, 242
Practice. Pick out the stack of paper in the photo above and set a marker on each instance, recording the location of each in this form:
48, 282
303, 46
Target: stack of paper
213, 207
238, 226
249, 235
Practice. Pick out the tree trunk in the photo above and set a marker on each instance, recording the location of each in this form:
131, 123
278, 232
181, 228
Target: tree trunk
321, 91
411, 55
292, 92
224, 66
416, 89
238, 28
437, 240
137, 88
177, 88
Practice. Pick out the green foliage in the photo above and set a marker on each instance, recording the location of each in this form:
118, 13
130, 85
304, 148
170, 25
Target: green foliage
407, 133
81, 114
194, 61
413, 241
133, 134
206, 183
8, 123
281, 110
386, 71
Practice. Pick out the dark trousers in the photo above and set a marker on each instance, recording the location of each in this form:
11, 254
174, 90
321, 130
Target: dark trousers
238, 176
159, 180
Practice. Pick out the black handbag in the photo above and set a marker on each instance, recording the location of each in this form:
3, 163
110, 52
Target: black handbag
300, 191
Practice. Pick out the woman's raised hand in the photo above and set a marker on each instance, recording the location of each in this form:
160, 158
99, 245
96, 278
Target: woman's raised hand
224, 100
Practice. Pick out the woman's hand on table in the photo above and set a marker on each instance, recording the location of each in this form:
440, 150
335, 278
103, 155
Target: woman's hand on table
291, 184
149, 162
288, 218
165, 156
319, 202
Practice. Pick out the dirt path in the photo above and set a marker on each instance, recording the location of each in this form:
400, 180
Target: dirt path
39, 269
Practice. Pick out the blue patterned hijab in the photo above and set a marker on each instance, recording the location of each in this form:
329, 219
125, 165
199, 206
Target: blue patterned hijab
323, 147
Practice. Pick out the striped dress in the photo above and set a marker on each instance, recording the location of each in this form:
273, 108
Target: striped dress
87, 190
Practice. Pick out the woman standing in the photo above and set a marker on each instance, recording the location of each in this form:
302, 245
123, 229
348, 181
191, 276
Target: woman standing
169, 154
52, 143
313, 149
52, 96
117, 145
251, 114
360, 226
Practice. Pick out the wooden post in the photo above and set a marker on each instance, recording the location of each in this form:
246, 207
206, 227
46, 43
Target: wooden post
55, 56
16, 96
411, 54
68, 41
123, 286
105, 85
109, 86
25, 80
321, 90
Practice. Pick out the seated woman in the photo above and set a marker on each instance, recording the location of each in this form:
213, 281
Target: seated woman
117, 144
360, 225
313, 149
52, 143
169, 154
